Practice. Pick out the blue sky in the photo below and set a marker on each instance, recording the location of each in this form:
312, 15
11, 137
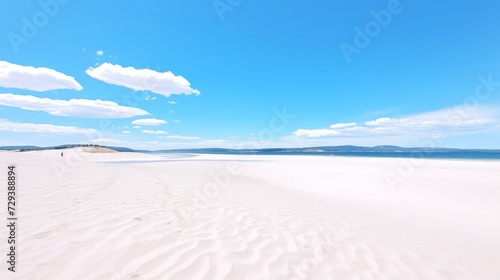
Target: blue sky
184, 74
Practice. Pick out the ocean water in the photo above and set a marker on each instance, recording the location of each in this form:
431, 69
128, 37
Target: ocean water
468, 155
175, 156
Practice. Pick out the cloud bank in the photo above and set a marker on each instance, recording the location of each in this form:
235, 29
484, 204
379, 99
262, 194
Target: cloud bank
149, 122
154, 132
6, 125
83, 108
445, 122
34, 78
164, 83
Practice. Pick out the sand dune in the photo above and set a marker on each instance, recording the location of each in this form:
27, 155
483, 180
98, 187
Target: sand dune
85, 216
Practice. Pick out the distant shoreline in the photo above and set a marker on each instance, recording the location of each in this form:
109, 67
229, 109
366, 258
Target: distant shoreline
336, 151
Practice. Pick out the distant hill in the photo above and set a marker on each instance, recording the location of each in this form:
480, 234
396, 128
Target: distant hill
11, 148
66, 146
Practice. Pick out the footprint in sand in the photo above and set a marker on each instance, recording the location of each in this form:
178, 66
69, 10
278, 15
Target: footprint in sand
42, 235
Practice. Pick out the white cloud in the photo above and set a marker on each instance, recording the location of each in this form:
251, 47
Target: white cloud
448, 122
154, 131
149, 122
100, 52
106, 141
6, 125
149, 97
171, 112
137, 126
176, 121
126, 132
172, 102
71, 108
316, 133
165, 83
342, 125
216, 141
34, 78
179, 137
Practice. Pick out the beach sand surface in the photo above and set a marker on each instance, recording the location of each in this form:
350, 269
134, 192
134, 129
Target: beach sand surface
142, 216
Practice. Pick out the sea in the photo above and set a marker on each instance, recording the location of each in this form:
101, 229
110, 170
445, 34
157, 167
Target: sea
458, 155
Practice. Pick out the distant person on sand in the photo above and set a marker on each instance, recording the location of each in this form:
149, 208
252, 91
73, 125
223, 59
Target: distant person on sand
61, 154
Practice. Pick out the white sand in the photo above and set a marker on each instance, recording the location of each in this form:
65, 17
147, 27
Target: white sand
237, 217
